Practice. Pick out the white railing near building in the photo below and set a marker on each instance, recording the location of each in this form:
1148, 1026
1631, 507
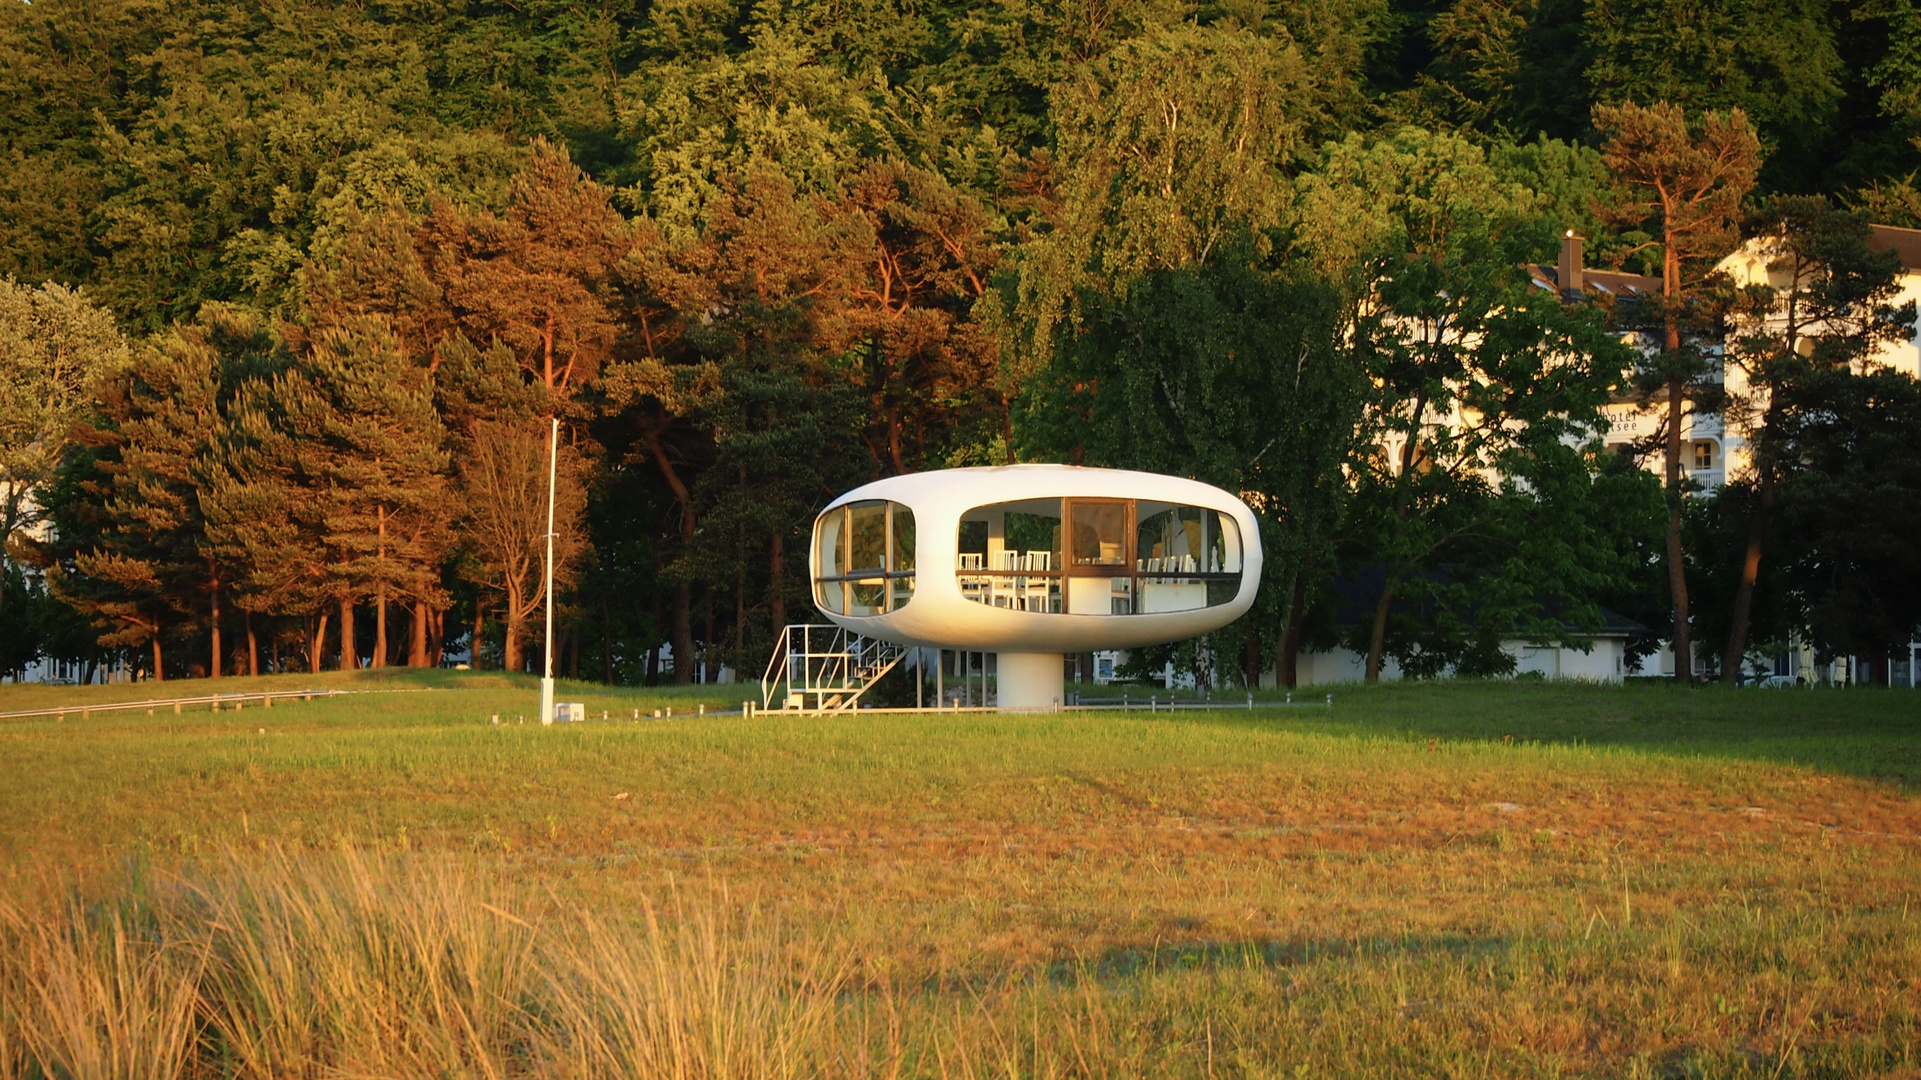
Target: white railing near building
823, 669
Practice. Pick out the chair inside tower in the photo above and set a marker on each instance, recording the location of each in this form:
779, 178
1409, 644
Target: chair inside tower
1098, 556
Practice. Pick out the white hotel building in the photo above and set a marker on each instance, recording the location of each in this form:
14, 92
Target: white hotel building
1713, 453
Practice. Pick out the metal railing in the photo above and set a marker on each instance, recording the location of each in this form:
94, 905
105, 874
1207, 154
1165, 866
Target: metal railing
820, 669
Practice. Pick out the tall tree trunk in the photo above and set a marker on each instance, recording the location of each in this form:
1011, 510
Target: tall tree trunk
514, 655
213, 666
547, 353
1742, 615
606, 640
1377, 638
740, 605
683, 628
1677, 565
349, 650
1288, 649
893, 438
437, 636
380, 627
480, 626
253, 646
318, 645
380, 596
777, 579
683, 633
417, 638
159, 672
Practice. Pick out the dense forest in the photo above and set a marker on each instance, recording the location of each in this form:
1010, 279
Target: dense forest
291, 292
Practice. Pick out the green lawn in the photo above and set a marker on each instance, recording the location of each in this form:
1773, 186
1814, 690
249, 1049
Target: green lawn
1476, 879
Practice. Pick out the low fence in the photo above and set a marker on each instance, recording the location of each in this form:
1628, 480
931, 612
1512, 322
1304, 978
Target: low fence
217, 702
1149, 704
265, 699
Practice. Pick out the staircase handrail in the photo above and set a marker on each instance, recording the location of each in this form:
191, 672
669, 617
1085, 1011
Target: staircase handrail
767, 679
845, 667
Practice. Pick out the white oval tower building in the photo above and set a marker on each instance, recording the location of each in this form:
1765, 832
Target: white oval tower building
1034, 561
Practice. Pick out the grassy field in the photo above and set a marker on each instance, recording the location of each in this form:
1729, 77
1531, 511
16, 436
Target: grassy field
1510, 879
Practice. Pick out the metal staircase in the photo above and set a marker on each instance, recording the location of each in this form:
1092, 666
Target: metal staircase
819, 669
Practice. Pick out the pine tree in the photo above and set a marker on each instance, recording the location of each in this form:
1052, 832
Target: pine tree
364, 472
536, 278
1685, 180
929, 367
378, 272
132, 555
762, 307
247, 499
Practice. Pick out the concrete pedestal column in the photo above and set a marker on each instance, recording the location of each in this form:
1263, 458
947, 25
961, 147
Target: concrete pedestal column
1029, 680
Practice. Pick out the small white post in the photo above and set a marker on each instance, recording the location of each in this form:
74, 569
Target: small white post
547, 670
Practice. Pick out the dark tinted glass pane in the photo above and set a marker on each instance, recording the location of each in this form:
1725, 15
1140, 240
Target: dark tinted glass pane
1033, 532
1100, 534
1171, 540
903, 538
831, 542
973, 538
1222, 556
868, 597
868, 523
832, 597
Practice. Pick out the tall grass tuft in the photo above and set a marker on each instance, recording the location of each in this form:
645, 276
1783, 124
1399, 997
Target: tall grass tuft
705, 998
346, 964
94, 991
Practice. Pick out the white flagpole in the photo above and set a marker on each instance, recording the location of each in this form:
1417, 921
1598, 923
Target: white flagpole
547, 671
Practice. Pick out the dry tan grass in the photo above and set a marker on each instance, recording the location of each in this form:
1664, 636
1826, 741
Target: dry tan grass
93, 992
375, 967
345, 964
368, 893
689, 998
